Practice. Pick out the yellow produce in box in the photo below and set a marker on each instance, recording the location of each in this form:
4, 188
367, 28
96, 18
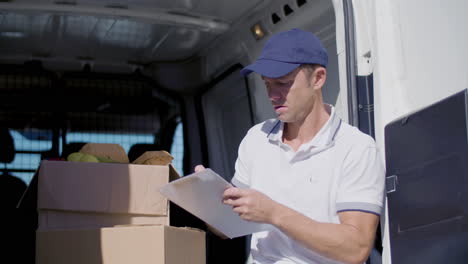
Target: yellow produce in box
82, 157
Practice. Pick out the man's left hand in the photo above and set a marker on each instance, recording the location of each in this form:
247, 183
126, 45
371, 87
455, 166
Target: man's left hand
251, 205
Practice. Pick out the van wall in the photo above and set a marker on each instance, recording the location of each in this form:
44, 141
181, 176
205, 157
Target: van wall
417, 52
420, 55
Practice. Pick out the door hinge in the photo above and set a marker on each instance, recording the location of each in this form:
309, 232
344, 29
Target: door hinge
391, 183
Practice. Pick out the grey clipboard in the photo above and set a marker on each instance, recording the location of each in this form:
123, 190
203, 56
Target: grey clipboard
201, 194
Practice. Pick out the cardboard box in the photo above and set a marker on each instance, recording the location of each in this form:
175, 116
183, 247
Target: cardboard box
121, 245
82, 194
51, 219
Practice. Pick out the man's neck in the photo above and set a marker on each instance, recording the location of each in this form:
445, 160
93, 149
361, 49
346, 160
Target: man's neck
297, 133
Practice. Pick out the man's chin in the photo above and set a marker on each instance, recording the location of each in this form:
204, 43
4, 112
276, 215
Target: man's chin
283, 118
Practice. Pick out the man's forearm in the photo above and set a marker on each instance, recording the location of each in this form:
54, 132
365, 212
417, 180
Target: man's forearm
350, 241
342, 242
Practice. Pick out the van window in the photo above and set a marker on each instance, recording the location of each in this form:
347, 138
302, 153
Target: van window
177, 149
29, 144
125, 140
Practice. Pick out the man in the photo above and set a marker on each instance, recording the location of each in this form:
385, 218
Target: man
317, 180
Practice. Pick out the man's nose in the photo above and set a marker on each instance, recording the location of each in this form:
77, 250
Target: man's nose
275, 95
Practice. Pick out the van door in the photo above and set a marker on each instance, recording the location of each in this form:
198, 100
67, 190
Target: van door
427, 173
417, 53
227, 116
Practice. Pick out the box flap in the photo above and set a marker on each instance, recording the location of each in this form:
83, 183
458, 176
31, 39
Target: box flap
173, 174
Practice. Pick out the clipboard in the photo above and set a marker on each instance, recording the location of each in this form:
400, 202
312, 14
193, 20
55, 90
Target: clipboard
201, 194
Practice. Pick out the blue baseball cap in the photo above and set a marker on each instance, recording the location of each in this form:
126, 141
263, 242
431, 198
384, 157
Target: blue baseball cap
285, 51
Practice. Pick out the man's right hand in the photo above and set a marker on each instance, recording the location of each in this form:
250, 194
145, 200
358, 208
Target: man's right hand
199, 168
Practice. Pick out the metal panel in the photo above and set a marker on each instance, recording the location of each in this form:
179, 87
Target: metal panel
228, 117
427, 183
114, 32
94, 38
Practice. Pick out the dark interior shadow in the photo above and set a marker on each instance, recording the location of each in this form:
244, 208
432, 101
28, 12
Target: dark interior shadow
27, 224
11, 191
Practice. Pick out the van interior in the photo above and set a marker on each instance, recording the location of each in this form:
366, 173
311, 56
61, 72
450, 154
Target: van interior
148, 75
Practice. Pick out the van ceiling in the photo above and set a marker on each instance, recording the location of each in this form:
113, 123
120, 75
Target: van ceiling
69, 33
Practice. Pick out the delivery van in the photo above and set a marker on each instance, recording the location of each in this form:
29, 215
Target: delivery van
165, 75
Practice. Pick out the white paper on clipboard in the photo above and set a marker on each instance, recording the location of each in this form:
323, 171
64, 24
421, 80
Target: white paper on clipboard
201, 194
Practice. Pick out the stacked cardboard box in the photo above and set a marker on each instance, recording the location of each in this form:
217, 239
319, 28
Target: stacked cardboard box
110, 213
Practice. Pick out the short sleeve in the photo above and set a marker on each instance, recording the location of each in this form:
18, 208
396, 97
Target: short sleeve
241, 177
361, 187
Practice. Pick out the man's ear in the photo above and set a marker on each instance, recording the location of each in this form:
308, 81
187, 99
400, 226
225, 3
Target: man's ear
319, 77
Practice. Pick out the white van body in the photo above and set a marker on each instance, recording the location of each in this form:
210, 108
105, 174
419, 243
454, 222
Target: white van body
413, 51
417, 58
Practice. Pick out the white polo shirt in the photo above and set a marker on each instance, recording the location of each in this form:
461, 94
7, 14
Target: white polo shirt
338, 170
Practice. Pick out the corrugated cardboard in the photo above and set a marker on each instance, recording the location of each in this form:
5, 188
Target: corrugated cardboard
51, 219
121, 245
79, 194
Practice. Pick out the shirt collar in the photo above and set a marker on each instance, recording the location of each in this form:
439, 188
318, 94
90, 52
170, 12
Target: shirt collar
324, 137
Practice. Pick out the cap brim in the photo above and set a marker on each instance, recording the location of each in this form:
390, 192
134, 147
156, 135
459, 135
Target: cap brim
270, 68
